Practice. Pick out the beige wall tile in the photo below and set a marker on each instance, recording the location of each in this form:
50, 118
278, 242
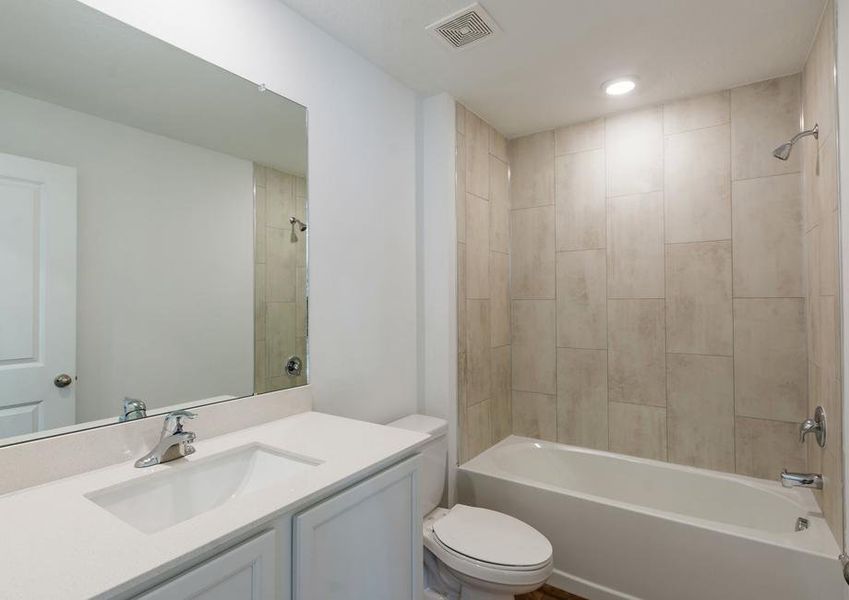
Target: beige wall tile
582, 299
301, 302
259, 175
638, 430
280, 198
499, 277
460, 117
579, 137
763, 448
832, 496
829, 336
582, 397
260, 367
460, 187
259, 302
818, 77
698, 298
700, 410
279, 336
478, 359
633, 143
767, 215
635, 246
697, 185
461, 297
580, 200
477, 247
280, 265
826, 179
829, 255
532, 253
534, 415
497, 145
478, 428
763, 115
636, 351
461, 386
499, 206
533, 346
477, 156
532, 170
770, 364
697, 112
502, 411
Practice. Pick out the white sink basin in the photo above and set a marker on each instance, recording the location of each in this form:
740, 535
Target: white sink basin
158, 501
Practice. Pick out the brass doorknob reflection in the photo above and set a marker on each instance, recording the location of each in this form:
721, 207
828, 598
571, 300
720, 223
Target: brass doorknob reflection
63, 380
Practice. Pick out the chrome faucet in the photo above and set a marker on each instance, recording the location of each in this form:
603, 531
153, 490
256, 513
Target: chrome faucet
805, 480
173, 443
817, 426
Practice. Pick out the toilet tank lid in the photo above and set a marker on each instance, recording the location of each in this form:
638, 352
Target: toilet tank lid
433, 426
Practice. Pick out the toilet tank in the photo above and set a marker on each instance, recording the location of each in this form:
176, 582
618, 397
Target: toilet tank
434, 457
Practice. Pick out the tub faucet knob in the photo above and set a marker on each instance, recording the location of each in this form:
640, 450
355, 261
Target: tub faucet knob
815, 426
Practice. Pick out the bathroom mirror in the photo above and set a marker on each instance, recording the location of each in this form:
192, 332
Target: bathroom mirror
153, 226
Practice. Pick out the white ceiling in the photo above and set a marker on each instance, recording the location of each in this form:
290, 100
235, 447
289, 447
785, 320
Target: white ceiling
69, 54
548, 65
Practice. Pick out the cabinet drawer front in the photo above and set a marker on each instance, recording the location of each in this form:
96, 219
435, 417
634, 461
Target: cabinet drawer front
365, 542
246, 572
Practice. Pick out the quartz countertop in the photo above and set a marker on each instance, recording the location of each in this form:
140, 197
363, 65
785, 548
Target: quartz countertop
58, 543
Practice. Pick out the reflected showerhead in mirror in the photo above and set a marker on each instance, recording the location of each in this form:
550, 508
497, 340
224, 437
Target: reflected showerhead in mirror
783, 151
301, 227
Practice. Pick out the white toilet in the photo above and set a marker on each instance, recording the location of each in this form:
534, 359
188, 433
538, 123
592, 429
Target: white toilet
472, 553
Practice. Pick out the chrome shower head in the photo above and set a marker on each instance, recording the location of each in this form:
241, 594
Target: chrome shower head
301, 225
783, 151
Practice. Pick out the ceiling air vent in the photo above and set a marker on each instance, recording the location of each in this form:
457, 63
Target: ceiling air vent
464, 28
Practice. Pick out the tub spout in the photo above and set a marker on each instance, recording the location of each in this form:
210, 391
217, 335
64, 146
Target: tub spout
806, 480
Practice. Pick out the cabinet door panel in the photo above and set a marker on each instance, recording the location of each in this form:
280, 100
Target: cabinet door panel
247, 572
365, 542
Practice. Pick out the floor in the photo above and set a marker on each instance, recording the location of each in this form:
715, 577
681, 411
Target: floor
548, 592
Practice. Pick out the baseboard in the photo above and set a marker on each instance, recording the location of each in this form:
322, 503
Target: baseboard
585, 589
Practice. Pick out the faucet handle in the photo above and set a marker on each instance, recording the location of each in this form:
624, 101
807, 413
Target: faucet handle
173, 420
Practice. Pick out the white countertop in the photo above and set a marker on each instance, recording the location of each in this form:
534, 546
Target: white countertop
55, 543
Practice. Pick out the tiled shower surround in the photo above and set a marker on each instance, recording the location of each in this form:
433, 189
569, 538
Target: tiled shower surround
280, 280
658, 283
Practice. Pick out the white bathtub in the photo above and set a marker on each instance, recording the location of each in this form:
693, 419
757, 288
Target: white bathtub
630, 528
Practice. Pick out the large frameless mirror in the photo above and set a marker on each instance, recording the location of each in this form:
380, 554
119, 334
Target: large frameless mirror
153, 226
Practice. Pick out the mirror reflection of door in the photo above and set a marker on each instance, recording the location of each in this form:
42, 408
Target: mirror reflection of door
38, 275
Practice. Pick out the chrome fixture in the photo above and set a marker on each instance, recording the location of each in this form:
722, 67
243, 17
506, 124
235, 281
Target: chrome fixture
783, 151
63, 380
805, 480
802, 524
294, 366
133, 409
173, 443
301, 227
815, 425
844, 560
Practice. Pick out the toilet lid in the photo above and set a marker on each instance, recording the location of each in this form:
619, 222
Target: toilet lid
492, 537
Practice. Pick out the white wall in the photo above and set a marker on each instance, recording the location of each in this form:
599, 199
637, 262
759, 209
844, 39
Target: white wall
362, 188
165, 250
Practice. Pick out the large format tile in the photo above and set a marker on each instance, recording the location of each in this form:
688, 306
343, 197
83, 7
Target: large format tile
499, 277
635, 246
497, 145
582, 299
461, 297
477, 247
532, 170
478, 429
478, 359
532, 253
582, 397
477, 156
696, 113
279, 198
533, 346
636, 351
534, 415
280, 265
767, 216
580, 199
770, 363
697, 185
638, 430
763, 115
633, 144
698, 298
502, 411
818, 78
700, 410
579, 137
763, 448
460, 187
499, 205
279, 336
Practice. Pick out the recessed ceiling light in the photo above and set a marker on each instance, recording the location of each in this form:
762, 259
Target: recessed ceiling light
618, 87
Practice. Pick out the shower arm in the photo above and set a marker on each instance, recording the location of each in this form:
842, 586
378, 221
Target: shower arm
814, 132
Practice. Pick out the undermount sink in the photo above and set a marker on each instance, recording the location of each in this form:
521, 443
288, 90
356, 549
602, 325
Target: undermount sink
158, 501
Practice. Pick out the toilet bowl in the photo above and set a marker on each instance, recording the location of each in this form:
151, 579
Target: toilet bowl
472, 553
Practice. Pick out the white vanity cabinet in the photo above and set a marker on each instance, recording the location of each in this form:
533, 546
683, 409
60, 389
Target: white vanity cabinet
362, 542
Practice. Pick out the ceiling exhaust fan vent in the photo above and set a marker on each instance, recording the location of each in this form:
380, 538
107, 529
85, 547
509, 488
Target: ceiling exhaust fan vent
464, 28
